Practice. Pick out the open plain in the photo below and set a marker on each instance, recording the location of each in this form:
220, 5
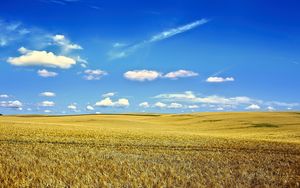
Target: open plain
254, 149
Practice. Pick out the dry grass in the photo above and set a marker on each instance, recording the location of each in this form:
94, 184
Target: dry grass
136, 150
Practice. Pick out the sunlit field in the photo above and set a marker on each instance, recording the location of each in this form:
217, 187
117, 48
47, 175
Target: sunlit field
258, 149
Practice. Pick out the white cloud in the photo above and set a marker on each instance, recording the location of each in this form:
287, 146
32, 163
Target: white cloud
189, 96
219, 79
4, 96
107, 102
47, 104
96, 74
185, 96
150, 75
282, 104
110, 94
118, 45
175, 106
60, 2
23, 50
142, 75
121, 102
83, 62
11, 104
64, 43
47, 94
3, 42
89, 107
270, 108
47, 111
180, 74
193, 106
220, 109
144, 105
41, 58
253, 107
158, 37
45, 73
11, 32
72, 107
160, 105
169, 33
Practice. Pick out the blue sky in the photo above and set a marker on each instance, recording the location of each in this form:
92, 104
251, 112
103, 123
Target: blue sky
171, 56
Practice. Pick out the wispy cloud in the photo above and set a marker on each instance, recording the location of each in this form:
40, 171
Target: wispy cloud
169, 33
11, 31
96, 74
64, 43
156, 38
222, 102
61, 2
219, 79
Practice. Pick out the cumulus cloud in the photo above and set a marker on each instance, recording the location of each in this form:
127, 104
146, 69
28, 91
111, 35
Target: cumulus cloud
47, 111
11, 104
253, 107
41, 58
144, 105
110, 94
47, 104
23, 50
47, 94
72, 107
89, 107
142, 75
156, 38
192, 106
160, 105
64, 43
150, 75
121, 102
107, 102
219, 79
175, 105
96, 74
4, 96
220, 109
45, 73
180, 74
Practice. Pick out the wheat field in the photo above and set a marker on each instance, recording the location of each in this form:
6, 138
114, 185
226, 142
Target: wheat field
255, 149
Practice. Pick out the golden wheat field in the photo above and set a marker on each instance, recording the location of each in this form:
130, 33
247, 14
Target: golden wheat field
257, 149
